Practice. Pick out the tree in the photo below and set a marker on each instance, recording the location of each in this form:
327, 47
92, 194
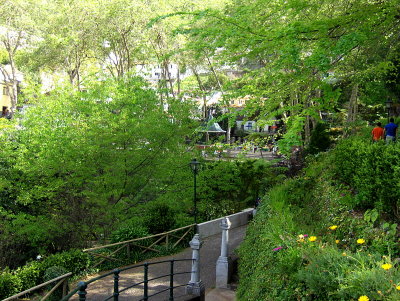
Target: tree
81, 160
300, 49
16, 30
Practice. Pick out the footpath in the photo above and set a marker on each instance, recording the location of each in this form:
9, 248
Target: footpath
209, 254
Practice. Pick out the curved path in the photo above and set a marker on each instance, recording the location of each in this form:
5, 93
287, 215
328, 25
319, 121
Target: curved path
209, 254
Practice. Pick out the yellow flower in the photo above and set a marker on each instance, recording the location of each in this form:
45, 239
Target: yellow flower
363, 298
337, 241
386, 266
333, 227
312, 238
360, 241
301, 236
398, 287
344, 254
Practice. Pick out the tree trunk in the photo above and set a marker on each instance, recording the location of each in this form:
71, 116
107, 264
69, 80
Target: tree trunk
307, 131
168, 74
353, 105
179, 80
228, 130
203, 92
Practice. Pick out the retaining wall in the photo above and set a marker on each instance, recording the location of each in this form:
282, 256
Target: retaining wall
210, 228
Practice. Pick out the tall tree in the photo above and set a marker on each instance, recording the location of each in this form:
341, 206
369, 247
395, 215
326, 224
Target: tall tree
301, 47
16, 32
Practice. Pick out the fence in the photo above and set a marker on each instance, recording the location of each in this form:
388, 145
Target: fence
144, 244
167, 239
81, 289
62, 280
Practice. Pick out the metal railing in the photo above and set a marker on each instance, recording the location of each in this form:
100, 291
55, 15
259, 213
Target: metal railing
81, 289
62, 280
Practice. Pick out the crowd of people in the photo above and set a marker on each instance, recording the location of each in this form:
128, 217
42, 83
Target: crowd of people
387, 133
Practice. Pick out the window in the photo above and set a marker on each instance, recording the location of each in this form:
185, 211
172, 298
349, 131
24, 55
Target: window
5, 91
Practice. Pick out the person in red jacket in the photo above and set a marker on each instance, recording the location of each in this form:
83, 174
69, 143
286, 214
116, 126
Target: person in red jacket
377, 132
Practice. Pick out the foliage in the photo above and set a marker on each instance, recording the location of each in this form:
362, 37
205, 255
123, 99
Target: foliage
35, 272
97, 156
309, 242
333, 275
159, 218
9, 284
130, 229
370, 169
228, 186
298, 68
320, 139
51, 273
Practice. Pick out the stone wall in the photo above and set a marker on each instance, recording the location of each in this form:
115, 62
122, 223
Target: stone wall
210, 228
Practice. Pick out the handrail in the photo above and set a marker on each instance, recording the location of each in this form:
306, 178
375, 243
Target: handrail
136, 239
81, 287
38, 286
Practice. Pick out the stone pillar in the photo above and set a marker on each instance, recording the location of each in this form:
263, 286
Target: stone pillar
195, 285
224, 264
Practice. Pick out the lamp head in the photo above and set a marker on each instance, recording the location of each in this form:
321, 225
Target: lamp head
195, 166
389, 103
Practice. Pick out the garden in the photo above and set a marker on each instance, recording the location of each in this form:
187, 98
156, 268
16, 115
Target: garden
331, 232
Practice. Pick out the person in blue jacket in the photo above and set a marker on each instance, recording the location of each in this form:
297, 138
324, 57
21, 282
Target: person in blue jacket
390, 131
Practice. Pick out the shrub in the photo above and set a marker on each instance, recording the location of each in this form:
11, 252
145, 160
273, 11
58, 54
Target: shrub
34, 273
75, 261
320, 139
51, 273
131, 229
10, 284
225, 187
31, 274
159, 218
278, 265
370, 169
331, 274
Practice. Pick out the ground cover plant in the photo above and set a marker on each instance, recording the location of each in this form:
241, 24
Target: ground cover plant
327, 234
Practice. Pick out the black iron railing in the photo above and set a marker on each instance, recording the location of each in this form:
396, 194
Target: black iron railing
83, 285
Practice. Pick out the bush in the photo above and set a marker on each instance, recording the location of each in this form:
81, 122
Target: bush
159, 218
343, 263
320, 139
331, 274
10, 284
31, 274
131, 229
226, 187
370, 169
51, 273
34, 273
75, 261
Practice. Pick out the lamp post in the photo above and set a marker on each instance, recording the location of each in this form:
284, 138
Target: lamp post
389, 103
195, 166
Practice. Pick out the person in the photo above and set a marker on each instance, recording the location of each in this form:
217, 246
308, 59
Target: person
390, 131
377, 132
7, 114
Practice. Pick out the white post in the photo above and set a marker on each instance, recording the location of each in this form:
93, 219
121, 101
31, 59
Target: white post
195, 285
223, 268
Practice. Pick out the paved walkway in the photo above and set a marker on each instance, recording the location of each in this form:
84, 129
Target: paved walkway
209, 254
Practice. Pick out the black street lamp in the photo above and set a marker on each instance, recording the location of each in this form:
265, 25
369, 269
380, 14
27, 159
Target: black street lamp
389, 103
195, 166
